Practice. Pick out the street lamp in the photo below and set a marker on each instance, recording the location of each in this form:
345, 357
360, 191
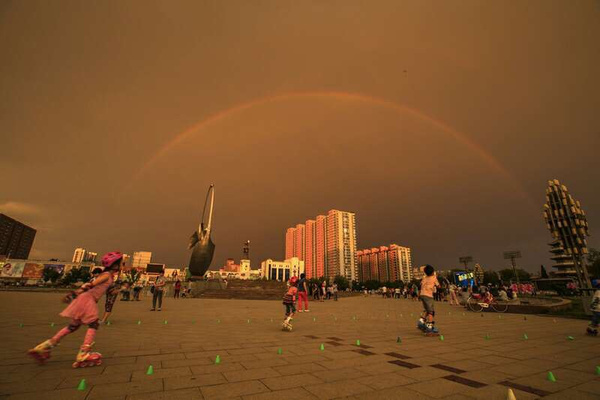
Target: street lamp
465, 261
512, 256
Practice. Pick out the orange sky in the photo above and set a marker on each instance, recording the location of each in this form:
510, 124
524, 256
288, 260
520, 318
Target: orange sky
91, 93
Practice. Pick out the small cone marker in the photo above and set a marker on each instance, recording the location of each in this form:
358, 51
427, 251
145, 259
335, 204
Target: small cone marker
52, 324
387, 315
314, 319
442, 338
525, 337
248, 320
598, 370
357, 342
165, 322
551, 377
82, 386
150, 370
511, 395
218, 321
139, 322
322, 348
21, 325
108, 322
279, 351
487, 336
570, 338
399, 340
218, 359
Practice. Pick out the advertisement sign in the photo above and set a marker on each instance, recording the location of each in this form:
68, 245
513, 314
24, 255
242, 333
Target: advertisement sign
60, 268
464, 278
12, 270
33, 271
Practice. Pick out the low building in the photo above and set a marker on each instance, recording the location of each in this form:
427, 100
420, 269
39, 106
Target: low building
385, 264
281, 270
231, 270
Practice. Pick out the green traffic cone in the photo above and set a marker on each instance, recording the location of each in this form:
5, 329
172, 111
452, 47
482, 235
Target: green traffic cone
139, 322
399, 340
20, 325
314, 319
357, 342
322, 347
52, 324
194, 322
525, 337
487, 337
598, 370
166, 322
218, 321
218, 359
442, 338
570, 338
150, 370
82, 386
279, 351
108, 322
551, 377
248, 321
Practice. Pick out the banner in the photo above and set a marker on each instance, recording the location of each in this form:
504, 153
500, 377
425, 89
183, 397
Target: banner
57, 267
33, 271
12, 270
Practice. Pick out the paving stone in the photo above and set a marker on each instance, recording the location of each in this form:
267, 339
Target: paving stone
233, 389
339, 374
250, 374
116, 389
161, 373
182, 394
290, 381
337, 389
181, 382
289, 394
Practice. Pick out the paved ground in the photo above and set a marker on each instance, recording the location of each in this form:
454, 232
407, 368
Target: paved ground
182, 341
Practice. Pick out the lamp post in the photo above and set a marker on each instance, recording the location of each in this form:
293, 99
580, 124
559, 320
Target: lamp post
465, 261
512, 256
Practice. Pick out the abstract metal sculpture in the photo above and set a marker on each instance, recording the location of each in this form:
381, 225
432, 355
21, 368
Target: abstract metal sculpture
568, 225
202, 246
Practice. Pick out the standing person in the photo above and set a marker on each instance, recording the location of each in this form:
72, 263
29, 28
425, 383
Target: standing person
428, 284
302, 293
323, 290
384, 292
157, 293
111, 296
316, 290
592, 329
83, 310
453, 294
288, 301
137, 288
335, 292
177, 289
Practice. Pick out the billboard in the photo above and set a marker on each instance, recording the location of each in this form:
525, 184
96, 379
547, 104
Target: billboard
33, 271
155, 268
12, 270
60, 268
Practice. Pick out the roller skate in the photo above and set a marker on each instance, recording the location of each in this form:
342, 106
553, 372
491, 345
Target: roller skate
431, 330
287, 325
41, 352
592, 330
87, 358
421, 324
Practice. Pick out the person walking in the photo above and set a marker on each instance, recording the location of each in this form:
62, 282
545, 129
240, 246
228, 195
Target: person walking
323, 290
137, 288
157, 291
302, 293
177, 289
335, 291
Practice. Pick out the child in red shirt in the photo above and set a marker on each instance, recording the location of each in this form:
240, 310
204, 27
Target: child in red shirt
288, 301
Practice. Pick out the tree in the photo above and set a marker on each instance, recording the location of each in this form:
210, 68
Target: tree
342, 282
543, 273
76, 275
50, 274
508, 275
593, 261
491, 277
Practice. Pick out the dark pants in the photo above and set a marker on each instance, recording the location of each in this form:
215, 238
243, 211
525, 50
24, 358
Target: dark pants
176, 294
157, 295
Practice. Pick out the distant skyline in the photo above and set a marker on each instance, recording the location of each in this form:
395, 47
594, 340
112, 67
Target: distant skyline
437, 123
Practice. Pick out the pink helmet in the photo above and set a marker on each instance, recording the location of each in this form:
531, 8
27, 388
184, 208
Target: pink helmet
110, 258
293, 280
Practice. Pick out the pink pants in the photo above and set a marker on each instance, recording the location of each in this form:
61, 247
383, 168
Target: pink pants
302, 296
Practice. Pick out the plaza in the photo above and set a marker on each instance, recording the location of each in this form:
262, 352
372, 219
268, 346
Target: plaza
481, 356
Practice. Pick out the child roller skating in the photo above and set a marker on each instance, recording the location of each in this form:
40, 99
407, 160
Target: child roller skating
288, 301
428, 283
592, 328
83, 310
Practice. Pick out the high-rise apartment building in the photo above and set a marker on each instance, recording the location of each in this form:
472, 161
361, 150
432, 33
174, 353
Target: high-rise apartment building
326, 244
385, 263
141, 259
78, 255
16, 238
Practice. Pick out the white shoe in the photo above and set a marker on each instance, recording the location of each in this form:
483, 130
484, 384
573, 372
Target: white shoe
306, 310
299, 310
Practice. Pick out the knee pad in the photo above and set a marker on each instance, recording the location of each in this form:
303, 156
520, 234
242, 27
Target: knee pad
94, 325
73, 327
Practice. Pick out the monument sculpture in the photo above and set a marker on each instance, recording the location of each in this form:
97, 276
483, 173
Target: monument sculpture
201, 244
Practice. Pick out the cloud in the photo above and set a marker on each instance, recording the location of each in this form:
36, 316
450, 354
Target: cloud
14, 208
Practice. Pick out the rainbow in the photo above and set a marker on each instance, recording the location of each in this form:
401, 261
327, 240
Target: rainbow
358, 97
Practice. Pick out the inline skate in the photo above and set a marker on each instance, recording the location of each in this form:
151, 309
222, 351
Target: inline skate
41, 352
87, 358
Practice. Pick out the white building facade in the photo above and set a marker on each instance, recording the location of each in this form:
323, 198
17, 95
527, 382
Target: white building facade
281, 270
141, 259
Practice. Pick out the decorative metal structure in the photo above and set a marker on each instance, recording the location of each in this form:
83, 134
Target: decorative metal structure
512, 256
203, 249
568, 225
465, 261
